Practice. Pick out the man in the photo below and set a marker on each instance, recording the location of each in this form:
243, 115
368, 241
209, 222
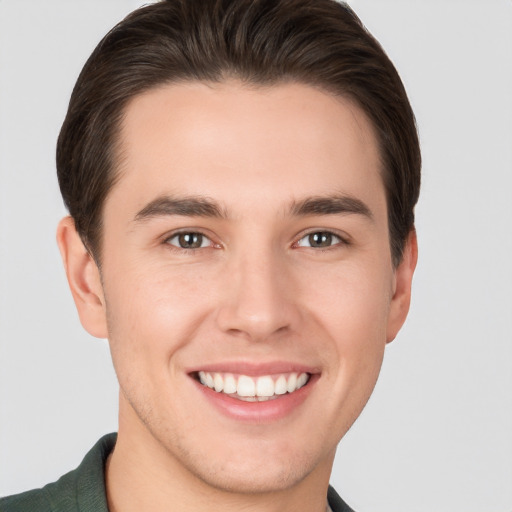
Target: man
241, 179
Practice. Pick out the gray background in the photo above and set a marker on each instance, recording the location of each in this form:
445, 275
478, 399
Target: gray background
437, 433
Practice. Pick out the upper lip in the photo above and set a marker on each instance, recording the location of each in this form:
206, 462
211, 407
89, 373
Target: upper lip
254, 369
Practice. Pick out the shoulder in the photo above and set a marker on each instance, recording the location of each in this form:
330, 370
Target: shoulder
81, 489
336, 503
30, 501
57, 496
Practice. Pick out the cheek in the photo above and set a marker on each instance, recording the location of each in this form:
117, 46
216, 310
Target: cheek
351, 300
351, 305
154, 311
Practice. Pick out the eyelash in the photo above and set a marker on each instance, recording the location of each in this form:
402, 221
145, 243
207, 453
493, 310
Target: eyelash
341, 241
178, 234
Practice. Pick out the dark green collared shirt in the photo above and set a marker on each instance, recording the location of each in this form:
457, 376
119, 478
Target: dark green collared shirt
80, 490
83, 489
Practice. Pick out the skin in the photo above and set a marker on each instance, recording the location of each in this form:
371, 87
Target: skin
256, 291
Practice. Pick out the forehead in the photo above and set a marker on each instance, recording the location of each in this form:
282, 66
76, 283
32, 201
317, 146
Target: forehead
232, 142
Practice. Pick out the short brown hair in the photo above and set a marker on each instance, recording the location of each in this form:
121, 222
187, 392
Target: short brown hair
317, 42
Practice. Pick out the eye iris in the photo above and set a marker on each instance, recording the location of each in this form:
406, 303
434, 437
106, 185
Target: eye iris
190, 240
320, 239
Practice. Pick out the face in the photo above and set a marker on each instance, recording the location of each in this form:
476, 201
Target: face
246, 279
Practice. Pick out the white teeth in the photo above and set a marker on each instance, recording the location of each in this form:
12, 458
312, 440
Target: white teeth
265, 386
301, 380
292, 383
253, 388
229, 384
281, 386
218, 382
246, 386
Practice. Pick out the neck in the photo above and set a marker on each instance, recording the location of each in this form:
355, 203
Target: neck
141, 474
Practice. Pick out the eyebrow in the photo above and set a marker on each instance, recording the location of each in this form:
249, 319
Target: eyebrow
196, 206
339, 204
200, 206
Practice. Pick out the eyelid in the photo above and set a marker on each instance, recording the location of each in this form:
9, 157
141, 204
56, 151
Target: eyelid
343, 238
172, 234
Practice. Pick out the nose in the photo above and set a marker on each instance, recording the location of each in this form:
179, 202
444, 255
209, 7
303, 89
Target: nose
258, 299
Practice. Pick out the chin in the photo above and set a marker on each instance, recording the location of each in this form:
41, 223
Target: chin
264, 467
255, 477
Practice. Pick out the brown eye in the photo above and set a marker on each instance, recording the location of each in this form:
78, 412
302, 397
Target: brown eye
189, 240
319, 240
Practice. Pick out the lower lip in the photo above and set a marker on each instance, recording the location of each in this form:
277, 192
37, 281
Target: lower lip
258, 412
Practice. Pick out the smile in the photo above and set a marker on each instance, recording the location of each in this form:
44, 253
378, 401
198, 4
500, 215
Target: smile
253, 389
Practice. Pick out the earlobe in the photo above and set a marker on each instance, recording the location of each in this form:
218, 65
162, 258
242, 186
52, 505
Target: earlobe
401, 300
83, 278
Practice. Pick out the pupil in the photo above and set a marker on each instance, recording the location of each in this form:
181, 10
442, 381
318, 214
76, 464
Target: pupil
190, 240
320, 239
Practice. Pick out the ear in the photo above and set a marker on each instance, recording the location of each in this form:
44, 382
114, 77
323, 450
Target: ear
402, 287
83, 278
